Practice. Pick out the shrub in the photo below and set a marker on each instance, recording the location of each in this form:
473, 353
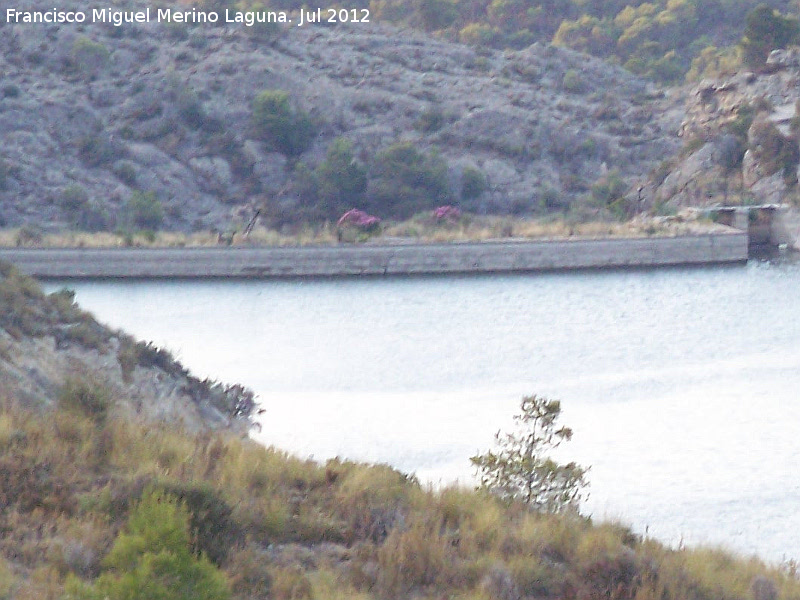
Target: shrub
773, 150
73, 197
473, 183
370, 499
341, 180
608, 188
573, 82
213, 531
190, 109
741, 124
82, 396
144, 210
96, 150
433, 15
289, 130
125, 172
265, 33
765, 31
731, 151
446, 214
431, 120
520, 469
152, 559
88, 56
10, 90
356, 221
290, 583
249, 579
406, 181
85, 214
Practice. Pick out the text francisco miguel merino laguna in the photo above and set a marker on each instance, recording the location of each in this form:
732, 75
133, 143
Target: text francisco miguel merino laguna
159, 15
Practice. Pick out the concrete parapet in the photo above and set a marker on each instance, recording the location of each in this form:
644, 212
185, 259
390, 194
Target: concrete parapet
347, 260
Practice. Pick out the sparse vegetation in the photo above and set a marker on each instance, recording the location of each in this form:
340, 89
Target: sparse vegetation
521, 469
774, 151
97, 504
473, 184
288, 129
404, 181
89, 56
341, 180
144, 211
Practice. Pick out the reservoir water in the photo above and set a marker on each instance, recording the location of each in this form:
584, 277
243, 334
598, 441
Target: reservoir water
681, 385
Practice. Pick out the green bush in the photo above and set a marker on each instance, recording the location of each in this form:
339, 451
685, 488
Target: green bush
190, 108
431, 120
125, 172
73, 197
152, 559
473, 183
573, 82
741, 124
92, 216
10, 90
213, 530
341, 180
767, 30
97, 150
144, 211
289, 130
405, 181
435, 14
89, 56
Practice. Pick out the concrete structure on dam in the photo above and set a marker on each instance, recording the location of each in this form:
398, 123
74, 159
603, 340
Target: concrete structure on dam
379, 260
767, 225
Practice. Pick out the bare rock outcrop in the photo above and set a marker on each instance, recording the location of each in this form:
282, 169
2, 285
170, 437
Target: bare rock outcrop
47, 340
740, 139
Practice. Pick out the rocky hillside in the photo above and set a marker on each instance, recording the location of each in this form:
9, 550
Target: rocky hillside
740, 140
151, 125
50, 348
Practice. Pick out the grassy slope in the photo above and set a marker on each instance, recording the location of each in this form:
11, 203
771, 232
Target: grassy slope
285, 528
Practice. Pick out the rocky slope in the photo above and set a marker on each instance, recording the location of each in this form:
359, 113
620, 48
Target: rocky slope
47, 342
740, 137
97, 111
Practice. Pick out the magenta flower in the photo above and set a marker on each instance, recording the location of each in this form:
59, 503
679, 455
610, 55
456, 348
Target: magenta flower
447, 213
358, 218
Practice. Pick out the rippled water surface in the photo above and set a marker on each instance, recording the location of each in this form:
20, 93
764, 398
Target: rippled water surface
681, 386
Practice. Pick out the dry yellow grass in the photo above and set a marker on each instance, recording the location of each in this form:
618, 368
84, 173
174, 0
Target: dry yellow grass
420, 228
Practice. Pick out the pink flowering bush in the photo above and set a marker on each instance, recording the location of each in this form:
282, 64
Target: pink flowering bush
360, 219
447, 213
356, 226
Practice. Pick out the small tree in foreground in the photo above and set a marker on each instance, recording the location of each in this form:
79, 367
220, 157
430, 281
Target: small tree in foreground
520, 468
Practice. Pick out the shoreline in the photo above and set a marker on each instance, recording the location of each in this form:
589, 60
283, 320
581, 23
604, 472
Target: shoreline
247, 262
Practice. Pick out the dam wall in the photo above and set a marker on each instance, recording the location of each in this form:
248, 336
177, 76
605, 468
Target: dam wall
378, 260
